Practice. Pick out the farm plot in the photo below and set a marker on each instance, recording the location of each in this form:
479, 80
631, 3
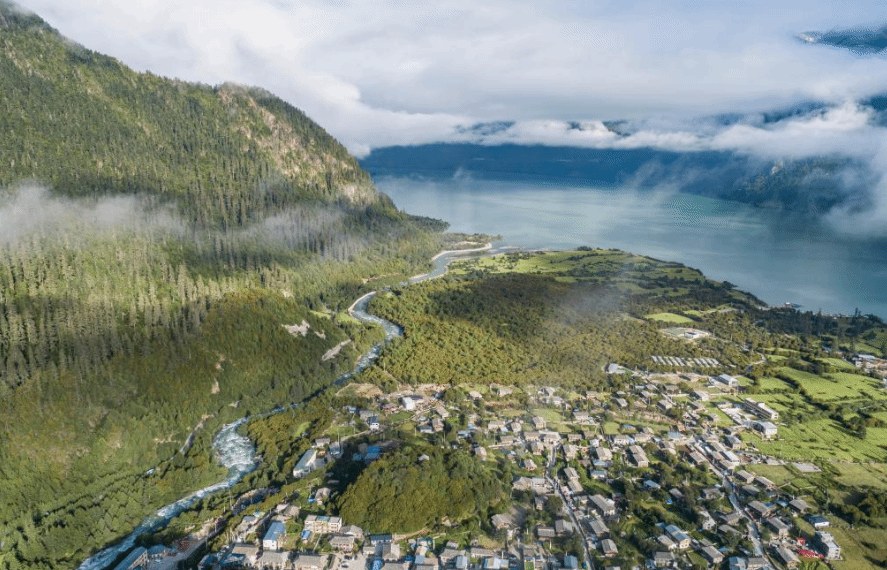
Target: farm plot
858, 474
836, 386
669, 318
838, 363
770, 384
822, 439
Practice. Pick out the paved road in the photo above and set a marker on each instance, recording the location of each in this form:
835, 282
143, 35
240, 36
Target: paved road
555, 484
753, 533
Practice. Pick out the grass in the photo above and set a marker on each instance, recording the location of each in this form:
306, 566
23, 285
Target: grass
343, 318
867, 386
770, 384
723, 420
670, 318
862, 548
779, 474
340, 430
868, 348
858, 475
481, 389
838, 363
836, 386
400, 416
548, 415
300, 429
820, 439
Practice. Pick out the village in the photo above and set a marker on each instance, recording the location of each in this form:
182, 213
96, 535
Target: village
662, 475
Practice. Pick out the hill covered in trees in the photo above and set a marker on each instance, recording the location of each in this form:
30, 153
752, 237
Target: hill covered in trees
417, 488
84, 124
559, 318
173, 256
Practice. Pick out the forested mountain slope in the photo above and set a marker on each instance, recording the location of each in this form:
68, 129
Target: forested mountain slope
83, 123
172, 257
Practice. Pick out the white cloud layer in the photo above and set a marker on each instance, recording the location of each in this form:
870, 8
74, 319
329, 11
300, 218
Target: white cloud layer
378, 73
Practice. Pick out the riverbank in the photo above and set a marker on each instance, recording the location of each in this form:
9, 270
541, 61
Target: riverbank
486, 247
236, 452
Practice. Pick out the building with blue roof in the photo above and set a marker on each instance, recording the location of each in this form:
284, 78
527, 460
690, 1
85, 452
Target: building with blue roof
274, 536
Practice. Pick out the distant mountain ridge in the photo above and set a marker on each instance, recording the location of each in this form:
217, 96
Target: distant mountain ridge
607, 156
861, 41
811, 185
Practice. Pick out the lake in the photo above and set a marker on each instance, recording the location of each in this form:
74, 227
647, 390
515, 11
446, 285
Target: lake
779, 257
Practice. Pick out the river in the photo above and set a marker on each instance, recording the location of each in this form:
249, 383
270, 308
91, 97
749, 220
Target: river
236, 452
778, 257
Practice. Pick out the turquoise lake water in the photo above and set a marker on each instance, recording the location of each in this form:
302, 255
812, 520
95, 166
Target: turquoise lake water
778, 257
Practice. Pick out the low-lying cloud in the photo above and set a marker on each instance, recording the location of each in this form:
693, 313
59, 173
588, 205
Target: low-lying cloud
32, 210
847, 129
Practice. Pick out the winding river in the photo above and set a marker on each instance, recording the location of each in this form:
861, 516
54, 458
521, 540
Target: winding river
237, 453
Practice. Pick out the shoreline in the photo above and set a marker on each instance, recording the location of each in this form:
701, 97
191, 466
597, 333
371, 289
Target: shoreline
486, 247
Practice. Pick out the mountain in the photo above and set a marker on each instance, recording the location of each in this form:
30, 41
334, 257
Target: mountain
861, 41
83, 123
809, 185
162, 245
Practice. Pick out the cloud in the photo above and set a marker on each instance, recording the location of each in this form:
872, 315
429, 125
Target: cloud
847, 129
386, 72
31, 210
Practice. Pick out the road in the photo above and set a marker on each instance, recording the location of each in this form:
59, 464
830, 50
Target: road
753, 534
555, 484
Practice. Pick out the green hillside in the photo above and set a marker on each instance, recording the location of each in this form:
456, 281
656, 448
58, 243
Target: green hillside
157, 238
83, 123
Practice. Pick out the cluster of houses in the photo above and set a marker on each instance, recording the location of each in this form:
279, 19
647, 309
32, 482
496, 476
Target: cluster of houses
271, 549
696, 436
871, 364
719, 448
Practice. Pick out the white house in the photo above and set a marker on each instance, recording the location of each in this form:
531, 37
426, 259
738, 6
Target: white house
306, 464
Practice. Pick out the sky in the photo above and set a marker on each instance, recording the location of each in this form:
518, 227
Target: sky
379, 73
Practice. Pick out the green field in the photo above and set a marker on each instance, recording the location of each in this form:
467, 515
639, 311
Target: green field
838, 363
548, 415
769, 384
862, 474
670, 318
822, 439
723, 420
836, 386
779, 474
862, 548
